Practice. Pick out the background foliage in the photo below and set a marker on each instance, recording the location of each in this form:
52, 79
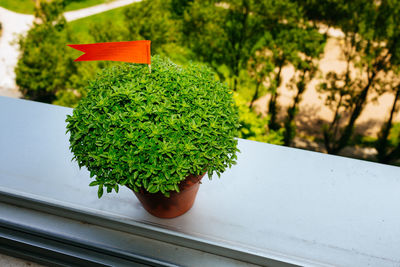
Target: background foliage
248, 44
45, 66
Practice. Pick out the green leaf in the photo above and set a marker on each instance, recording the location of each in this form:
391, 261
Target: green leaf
100, 191
152, 188
176, 188
94, 183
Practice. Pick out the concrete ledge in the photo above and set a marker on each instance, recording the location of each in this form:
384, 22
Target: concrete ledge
278, 206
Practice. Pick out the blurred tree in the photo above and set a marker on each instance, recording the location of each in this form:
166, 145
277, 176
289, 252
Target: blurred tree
152, 20
299, 45
159, 21
311, 47
328, 12
372, 48
388, 143
253, 126
284, 50
44, 67
225, 33
178, 7
260, 68
108, 31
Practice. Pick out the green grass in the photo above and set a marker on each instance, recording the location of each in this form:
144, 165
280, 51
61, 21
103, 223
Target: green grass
27, 6
20, 6
80, 28
84, 3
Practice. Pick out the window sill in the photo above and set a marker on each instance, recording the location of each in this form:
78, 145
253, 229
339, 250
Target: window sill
277, 206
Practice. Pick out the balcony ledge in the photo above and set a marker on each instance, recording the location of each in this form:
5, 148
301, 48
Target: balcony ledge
278, 206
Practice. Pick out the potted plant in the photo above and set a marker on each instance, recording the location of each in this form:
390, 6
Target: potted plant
157, 133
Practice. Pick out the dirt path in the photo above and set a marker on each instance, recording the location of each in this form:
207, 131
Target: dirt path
13, 24
89, 11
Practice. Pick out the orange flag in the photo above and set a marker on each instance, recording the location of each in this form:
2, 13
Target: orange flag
132, 51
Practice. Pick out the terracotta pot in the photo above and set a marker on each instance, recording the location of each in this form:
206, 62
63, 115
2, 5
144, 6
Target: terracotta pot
177, 204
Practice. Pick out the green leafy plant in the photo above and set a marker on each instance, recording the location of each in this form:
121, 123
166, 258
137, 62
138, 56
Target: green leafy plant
151, 130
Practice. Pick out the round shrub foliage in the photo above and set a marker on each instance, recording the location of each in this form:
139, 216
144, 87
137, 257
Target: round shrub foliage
151, 130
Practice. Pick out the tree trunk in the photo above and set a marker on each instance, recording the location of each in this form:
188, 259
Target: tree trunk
359, 106
333, 127
235, 83
255, 96
241, 41
331, 132
383, 155
272, 105
292, 111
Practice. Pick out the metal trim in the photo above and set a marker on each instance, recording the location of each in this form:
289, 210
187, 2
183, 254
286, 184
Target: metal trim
233, 251
42, 247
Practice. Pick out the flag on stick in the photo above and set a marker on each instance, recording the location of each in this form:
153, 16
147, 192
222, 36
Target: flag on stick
132, 51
